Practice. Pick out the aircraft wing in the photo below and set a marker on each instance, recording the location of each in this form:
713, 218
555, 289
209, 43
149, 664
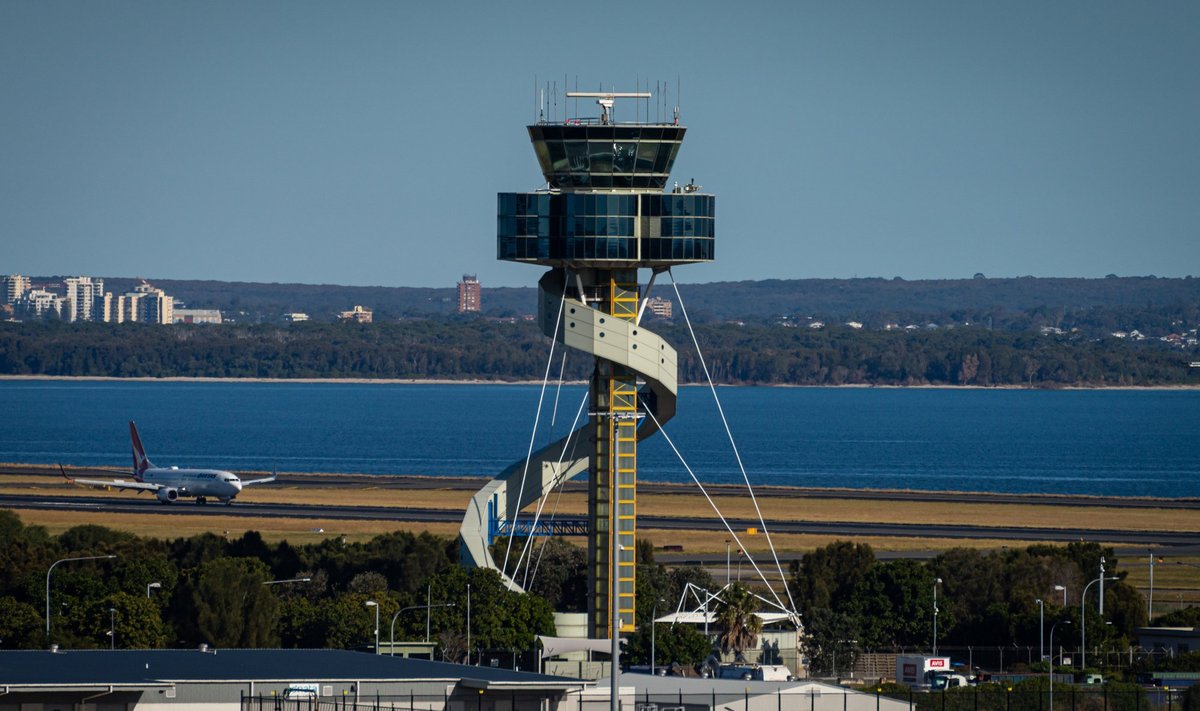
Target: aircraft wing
112, 483
260, 481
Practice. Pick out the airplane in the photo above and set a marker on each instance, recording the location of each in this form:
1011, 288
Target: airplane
168, 484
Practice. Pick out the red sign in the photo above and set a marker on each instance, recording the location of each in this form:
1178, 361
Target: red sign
937, 663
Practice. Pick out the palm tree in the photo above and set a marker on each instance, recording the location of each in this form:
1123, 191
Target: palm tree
739, 625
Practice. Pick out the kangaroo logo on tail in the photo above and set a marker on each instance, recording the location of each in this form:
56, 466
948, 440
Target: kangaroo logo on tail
140, 461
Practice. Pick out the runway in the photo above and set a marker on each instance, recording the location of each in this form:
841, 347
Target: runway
144, 505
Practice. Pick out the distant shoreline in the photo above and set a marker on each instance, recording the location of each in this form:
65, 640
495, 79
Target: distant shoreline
476, 381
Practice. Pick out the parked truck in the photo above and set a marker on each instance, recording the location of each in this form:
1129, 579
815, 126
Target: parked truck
919, 670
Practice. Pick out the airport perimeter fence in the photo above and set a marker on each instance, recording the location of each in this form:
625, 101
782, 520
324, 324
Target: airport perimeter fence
968, 699
406, 702
991, 697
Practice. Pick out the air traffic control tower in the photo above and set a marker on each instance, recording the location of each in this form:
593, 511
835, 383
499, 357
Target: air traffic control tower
604, 214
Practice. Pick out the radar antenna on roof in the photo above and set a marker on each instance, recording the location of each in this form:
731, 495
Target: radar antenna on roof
606, 99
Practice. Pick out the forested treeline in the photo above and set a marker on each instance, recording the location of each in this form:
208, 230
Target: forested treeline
467, 349
1094, 305
210, 589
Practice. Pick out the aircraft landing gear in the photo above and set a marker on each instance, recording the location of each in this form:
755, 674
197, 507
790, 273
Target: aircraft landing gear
227, 502
200, 500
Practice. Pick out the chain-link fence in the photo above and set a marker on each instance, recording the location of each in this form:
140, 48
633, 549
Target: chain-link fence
990, 697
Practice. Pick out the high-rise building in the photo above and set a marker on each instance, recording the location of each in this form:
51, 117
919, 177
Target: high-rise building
15, 287
82, 293
469, 294
146, 304
603, 216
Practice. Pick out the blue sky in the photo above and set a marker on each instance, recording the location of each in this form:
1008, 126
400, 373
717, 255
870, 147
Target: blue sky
364, 142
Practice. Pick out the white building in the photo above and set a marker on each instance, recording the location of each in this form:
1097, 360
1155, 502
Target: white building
82, 295
197, 316
664, 308
146, 304
15, 287
40, 302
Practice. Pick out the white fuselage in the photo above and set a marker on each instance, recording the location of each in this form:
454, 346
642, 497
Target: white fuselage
196, 482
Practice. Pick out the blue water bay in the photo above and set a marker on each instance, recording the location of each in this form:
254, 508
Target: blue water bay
1104, 442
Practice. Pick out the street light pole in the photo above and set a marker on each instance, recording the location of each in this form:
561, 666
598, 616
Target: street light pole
468, 623
727, 561
372, 603
936, 582
1150, 601
653, 626
112, 628
1042, 631
51, 570
1064, 592
414, 607
289, 580
1083, 622
1056, 624
150, 587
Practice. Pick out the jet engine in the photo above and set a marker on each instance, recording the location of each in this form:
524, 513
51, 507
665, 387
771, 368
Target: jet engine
167, 494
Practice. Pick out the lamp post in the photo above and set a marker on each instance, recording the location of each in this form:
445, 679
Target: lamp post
653, 625
51, 570
468, 623
112, 628
150, 587
1056, 624
1150, 600
427, 607
372, 603
1042, 631
1063, 588
727, 579
936, 582
289, 580
1083, 622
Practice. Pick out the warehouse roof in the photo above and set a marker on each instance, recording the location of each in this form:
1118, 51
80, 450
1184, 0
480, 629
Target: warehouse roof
143, 668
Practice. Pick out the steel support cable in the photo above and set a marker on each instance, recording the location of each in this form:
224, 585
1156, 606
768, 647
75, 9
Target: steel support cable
569, 443
560, 485
516, 515
729, 433
720, 515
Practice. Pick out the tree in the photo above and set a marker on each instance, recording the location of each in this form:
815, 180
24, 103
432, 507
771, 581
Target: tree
20, 625
233, 607
739, 625
897, 599
560, 575
824, 578
134, 619
673, 644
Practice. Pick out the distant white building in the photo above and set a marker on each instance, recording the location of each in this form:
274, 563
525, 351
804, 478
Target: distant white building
663, 308
197, 316
82, 294
855, 325
40, 302
146, 304
295, 317
15, 287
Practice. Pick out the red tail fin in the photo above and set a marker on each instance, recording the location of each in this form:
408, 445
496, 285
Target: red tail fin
140, 461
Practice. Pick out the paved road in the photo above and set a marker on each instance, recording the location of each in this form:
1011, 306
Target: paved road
145, 505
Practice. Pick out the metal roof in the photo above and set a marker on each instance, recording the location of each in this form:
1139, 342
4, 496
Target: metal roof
154, 667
